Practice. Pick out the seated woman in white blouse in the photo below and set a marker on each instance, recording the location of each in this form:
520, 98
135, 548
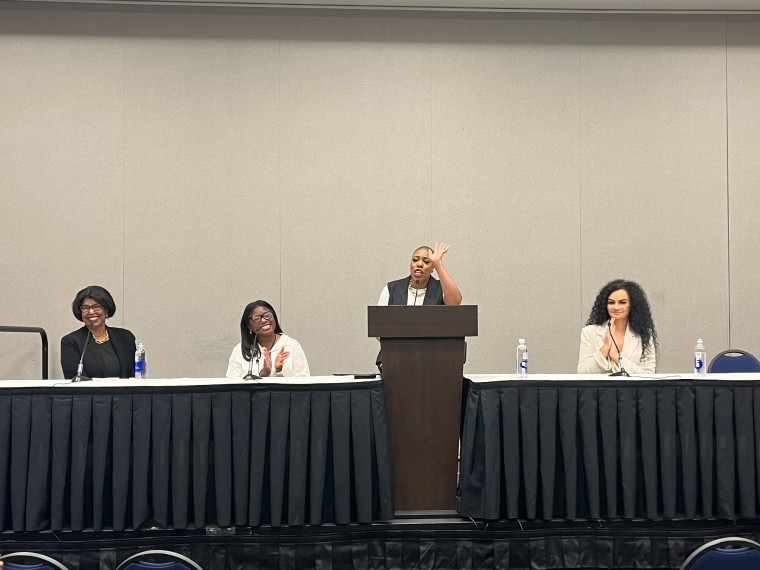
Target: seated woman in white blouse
263, 348
620, 325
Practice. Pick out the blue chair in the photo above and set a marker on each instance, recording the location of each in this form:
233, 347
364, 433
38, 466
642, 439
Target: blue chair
734, 360
145, 561
730, 553
40, 562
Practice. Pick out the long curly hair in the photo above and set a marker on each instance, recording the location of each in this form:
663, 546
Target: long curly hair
639, 319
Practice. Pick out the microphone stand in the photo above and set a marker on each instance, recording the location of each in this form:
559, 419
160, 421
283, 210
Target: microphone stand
620, 358
80, 377
251, 375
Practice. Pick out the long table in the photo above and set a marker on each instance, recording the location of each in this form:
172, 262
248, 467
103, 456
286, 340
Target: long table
192, 453
595, 447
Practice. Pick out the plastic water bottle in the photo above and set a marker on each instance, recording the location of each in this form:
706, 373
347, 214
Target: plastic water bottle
140, 364
699, 358
522, 359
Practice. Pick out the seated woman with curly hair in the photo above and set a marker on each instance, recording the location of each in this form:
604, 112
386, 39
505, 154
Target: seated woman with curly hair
620, 327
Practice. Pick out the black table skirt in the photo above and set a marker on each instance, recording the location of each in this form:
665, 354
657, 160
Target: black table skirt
628, 449
409, 545
190, 457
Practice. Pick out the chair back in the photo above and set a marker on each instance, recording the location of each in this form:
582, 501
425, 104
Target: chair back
145, 561
730, 553
41, 561
734, 360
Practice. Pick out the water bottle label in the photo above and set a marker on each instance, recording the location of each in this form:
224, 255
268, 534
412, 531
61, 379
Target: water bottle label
138, 367
524, 365
698, 364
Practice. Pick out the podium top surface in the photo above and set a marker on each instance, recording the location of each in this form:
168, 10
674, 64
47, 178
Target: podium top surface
432, 321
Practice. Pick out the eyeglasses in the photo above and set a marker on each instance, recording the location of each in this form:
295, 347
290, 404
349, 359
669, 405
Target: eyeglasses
95, 308
258, 318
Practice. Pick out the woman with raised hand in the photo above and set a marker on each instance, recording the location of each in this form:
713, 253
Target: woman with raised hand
420, 287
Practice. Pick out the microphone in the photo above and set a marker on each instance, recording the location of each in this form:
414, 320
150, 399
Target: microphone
620, 356
416, 290
81, 377
251, 375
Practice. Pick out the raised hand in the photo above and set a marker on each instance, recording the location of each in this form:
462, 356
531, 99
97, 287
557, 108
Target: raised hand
451, 293
437, 256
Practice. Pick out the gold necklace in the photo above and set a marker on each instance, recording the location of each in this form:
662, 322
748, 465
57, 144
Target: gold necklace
104, 339
417, 292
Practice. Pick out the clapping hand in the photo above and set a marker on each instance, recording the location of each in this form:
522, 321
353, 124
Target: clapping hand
267, 369
608, 341
609, 331
280, 360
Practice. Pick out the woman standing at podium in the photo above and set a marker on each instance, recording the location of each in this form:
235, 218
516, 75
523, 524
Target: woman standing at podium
420, 287
110, 351
264, 349
620, 324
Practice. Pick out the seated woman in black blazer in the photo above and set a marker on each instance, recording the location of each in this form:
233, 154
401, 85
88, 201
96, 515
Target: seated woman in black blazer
110, 350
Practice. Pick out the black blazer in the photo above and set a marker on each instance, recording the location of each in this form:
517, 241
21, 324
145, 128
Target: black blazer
72, 345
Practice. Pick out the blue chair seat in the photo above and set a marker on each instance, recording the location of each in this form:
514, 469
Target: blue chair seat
40, 561
145, 561
734, 360
146, 565
731, 553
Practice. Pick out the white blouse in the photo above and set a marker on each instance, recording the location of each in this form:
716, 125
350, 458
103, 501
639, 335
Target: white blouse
294, 365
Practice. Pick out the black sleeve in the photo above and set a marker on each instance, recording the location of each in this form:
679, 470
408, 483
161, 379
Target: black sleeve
132, 360
128, 367
69, 356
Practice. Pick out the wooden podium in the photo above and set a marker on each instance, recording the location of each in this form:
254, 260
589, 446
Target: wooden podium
423, 358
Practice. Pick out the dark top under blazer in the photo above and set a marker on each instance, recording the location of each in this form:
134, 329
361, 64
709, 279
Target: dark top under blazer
72, 345
398, 292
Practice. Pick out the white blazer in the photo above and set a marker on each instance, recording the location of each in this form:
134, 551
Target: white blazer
591, 361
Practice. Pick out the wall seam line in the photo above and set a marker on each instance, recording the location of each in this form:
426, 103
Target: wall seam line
123, 172
580, 172
728, 193
430, 91
279, 149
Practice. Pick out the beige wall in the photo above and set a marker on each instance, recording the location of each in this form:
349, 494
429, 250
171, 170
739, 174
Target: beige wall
193, 162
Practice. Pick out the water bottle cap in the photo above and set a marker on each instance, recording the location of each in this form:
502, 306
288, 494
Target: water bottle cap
699, 341
521, 341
